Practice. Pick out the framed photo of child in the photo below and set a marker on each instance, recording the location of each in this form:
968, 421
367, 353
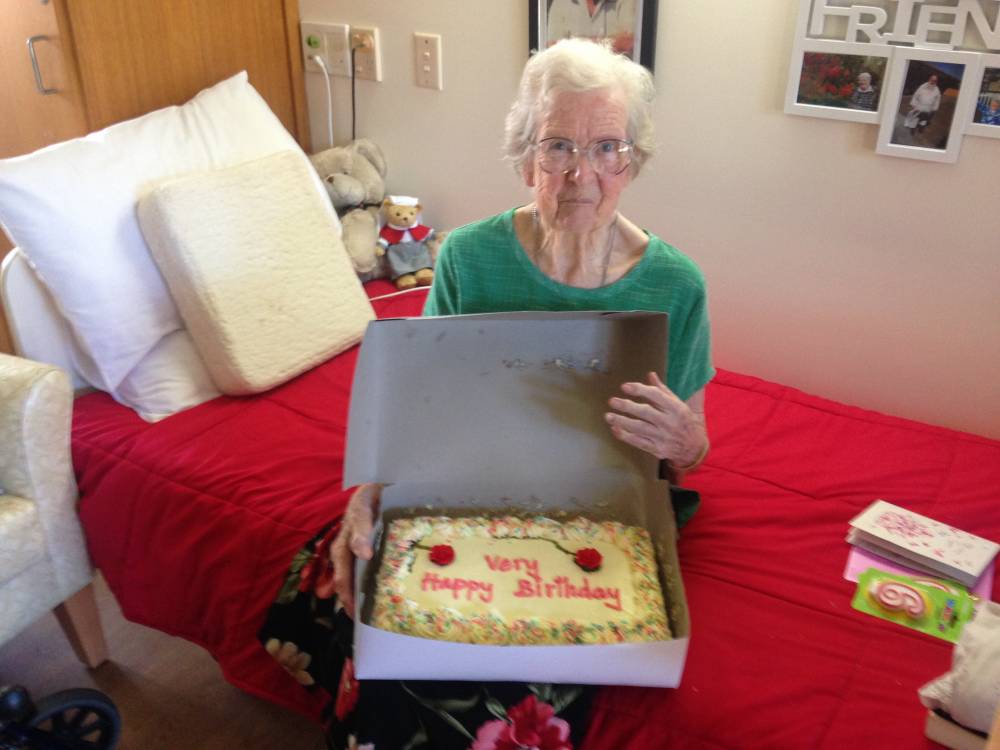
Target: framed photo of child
929, 102
629, 25
986, 115
837, 80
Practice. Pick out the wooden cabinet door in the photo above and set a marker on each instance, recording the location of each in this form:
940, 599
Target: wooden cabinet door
30, 119
135, 57
112, 60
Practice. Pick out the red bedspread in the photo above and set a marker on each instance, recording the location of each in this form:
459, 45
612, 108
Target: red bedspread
194, 520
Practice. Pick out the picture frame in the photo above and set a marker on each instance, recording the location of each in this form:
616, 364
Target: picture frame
629, 24
929, 101
825, 79
988, 90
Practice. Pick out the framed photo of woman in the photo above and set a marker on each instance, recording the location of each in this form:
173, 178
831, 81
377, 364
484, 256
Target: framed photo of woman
930, 98
630, 25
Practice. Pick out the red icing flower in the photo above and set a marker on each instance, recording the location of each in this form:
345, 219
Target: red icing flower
442, 554
589, 559
530, 724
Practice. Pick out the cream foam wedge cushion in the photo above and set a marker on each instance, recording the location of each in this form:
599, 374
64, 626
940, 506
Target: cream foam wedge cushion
254, 260
71, 208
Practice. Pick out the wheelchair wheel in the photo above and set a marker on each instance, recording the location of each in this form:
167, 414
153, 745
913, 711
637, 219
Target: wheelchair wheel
82, 717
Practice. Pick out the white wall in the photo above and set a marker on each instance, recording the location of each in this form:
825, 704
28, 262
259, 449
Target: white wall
871, 280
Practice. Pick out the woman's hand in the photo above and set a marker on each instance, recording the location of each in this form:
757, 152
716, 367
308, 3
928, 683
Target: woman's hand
653, 419
352, 541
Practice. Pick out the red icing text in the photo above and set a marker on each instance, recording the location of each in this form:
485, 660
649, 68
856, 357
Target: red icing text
560, 587
506, 564
470, 587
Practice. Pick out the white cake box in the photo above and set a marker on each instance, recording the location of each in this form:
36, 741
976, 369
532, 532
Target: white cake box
505, 412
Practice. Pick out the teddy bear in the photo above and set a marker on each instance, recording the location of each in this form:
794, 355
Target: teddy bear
403, 240
354, 177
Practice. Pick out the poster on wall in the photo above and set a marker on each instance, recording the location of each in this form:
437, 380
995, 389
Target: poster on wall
628, 25
986, 117
930, 98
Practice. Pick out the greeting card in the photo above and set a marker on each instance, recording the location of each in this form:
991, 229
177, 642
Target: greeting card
921, 542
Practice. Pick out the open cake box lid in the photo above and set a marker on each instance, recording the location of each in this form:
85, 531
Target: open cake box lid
488, 397
506, 411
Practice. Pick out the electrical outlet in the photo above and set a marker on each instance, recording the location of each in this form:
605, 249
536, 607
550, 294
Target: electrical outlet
328, 41
313, 43
367, 53
338, 50
427, 48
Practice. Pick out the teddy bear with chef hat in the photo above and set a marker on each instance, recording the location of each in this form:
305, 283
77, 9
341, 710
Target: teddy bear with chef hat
403, 240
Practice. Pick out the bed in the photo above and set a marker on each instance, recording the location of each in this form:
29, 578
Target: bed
195, 519
193, 522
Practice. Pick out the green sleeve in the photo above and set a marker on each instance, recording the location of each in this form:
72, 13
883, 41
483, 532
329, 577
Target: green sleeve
689, 366
444, 297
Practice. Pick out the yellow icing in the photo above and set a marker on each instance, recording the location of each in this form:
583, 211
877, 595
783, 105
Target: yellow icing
475, 598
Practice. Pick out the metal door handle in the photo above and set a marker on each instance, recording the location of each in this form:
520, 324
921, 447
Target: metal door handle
34, 64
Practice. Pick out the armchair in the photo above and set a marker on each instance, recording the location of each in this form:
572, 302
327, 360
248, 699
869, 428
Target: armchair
43, 559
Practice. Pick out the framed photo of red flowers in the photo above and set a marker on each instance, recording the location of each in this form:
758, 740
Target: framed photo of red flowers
837, 80
629, 25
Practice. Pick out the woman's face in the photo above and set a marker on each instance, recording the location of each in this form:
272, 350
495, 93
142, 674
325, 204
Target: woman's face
582, 200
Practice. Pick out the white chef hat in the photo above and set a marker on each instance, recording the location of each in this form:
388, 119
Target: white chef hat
403, 200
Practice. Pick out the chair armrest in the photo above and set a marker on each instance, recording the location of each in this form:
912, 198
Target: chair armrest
36, 403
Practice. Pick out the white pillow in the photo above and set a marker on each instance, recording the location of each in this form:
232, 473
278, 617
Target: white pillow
970, 692
255, 263
170, 378
71, 209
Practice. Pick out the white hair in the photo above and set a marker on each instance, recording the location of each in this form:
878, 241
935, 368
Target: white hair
579, 65
864, 75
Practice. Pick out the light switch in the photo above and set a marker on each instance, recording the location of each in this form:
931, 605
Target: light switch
427, 61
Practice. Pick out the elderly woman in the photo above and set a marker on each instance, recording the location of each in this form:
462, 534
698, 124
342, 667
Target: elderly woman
578, 134
864, 96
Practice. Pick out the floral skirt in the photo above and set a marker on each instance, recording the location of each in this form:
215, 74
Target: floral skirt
310, 634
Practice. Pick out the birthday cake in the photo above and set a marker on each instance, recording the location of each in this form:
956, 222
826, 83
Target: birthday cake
522, 581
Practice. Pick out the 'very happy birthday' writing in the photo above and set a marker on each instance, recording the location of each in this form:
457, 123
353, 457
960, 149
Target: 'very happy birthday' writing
534, 586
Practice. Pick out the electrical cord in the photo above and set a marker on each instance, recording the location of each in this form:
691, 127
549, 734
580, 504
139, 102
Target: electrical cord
354, 84
329, 95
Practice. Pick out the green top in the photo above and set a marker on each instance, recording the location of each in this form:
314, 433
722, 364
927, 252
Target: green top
482, 268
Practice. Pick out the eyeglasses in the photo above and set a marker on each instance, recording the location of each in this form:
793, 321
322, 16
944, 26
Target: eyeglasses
560, 155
